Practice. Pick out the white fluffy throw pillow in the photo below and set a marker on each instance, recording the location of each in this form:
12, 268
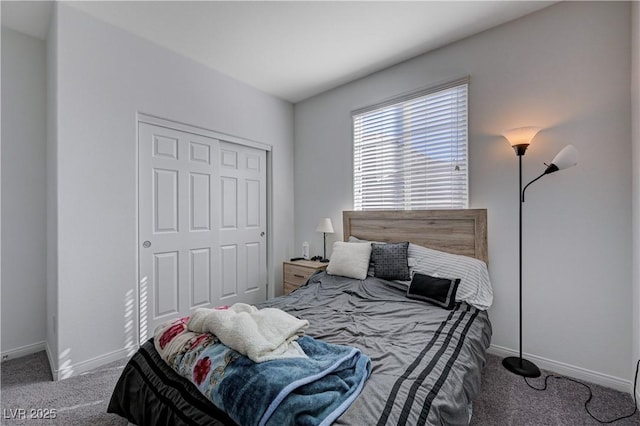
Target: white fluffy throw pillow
350, 260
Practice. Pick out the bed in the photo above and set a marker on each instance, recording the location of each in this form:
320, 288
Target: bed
426, 350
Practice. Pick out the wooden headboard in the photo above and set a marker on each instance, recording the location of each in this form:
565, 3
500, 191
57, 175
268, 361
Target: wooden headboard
453, 231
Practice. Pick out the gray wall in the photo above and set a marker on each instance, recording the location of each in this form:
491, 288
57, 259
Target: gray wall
23, 193
103, 78
566, 69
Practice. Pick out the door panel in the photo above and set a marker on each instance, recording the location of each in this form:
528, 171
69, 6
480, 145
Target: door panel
165, 147
253, 256
165, 279
200, 196
252, 209
200, 152
229, 271
200, 277
229, 207
165, 196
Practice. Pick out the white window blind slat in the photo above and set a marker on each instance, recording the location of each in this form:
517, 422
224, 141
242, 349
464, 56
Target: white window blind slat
412, 154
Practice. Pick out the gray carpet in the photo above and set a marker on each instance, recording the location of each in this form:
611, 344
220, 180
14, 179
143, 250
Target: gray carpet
82, 400
505, 399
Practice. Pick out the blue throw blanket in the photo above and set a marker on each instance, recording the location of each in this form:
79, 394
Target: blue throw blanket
301, 391
313, 391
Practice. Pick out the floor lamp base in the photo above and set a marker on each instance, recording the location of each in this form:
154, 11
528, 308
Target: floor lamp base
521, 366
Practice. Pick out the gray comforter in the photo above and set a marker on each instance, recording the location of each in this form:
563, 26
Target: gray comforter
427, 361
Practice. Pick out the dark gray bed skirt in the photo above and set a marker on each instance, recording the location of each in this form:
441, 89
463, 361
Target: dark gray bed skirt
149, 392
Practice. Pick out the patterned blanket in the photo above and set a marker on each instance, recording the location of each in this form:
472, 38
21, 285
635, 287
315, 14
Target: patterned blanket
302, 391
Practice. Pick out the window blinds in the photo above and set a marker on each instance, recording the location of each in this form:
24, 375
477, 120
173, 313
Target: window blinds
411, 153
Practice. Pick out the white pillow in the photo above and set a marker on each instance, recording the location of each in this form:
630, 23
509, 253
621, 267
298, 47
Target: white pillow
350, 260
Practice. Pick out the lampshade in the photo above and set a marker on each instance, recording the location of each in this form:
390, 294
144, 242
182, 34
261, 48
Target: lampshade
521, 135
567, 157
520, 138
325, 226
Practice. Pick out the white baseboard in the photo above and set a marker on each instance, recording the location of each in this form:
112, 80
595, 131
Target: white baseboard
579, 373
23, 351
69, 369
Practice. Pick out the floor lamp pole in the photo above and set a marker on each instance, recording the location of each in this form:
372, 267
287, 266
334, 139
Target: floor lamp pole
519, 365
520, 253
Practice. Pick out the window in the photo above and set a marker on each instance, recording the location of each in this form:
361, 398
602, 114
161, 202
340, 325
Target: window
410, 153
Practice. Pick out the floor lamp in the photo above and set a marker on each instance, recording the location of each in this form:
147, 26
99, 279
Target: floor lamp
520, 139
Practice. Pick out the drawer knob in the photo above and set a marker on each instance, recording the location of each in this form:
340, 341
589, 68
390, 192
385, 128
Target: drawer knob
298, 275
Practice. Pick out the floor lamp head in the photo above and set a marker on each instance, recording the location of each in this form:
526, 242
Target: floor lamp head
567, 157
520, 138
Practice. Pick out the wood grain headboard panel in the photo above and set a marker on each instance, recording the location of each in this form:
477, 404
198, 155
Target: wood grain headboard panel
454, 231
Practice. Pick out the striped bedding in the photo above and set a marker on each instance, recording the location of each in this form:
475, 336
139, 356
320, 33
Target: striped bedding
426, 361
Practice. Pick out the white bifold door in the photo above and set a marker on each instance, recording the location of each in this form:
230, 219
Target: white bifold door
202, 224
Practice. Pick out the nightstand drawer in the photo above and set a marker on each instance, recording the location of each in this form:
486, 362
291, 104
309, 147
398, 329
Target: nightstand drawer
297, 275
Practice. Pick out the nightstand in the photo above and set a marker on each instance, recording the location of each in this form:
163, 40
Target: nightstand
298, 272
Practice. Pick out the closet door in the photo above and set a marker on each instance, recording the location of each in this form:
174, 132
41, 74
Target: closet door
202, 224
242, 234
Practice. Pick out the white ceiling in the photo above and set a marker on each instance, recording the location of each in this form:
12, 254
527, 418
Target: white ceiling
290, 49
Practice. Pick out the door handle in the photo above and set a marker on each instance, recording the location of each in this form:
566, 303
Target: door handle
146, 244
262, 234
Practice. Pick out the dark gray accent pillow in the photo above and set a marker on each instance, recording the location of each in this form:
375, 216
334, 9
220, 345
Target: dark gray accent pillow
390, 261
439, 291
